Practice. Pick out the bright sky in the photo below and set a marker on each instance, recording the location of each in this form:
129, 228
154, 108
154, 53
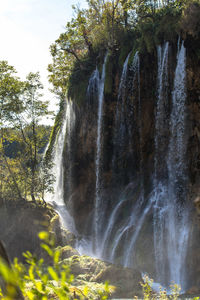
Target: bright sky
27, 29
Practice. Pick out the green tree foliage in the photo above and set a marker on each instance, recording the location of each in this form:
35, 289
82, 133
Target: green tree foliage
10, 93
190, 22
10, 106
27, 123
20, 114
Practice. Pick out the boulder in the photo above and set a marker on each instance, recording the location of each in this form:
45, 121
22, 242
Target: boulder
92, 270
67, 252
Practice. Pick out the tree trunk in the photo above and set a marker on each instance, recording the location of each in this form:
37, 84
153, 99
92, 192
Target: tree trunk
13, 177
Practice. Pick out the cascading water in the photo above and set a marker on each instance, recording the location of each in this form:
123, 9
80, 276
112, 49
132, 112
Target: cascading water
178, 229
120, 124
70, 122
135, 221
171, 230
169, 217
137, 214
98, 200
130, 248
93, 86
118, 141
85, 245
161, 117
135, 68
112, 223
122, 84
160, 195
57, 199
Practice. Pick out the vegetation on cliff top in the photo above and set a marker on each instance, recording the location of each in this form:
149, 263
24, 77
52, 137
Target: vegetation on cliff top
114, 26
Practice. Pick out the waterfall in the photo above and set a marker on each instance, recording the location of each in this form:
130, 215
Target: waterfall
132, 211
161, 117
85, 245
134, 222
122, 84
93, 86
119, 137
109, 228
167, 200
57, 199
160, 195
178, 229
178, 141
135, 68
139, 212
123, 126
130, 248
120, 122
98, 202
171, 230
112, 223
70, 122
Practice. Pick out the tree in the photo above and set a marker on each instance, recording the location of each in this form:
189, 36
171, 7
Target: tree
21, 110
10, 105
28, 124
60, 70
99, 26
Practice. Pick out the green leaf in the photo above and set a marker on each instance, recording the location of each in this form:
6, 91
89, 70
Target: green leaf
31, 273
39, 286
53, 274
47, 249
56, 256
43, 235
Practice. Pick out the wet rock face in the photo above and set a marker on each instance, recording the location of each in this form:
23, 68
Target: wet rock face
193, 72
193, 89
82, 165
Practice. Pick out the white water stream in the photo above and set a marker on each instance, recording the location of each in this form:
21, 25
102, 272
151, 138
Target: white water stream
57, 198
98, 199
171, 230
178, 227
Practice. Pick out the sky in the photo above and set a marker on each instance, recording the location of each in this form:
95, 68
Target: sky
27, 29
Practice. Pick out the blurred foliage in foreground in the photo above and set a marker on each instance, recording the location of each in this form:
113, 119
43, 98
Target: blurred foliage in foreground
38, 281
